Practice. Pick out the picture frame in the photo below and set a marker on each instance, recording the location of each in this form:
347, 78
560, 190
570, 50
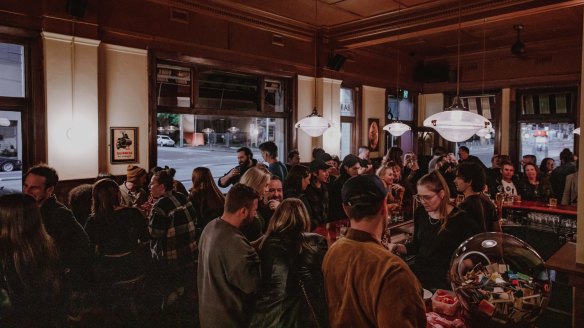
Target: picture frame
373, 134
123, 145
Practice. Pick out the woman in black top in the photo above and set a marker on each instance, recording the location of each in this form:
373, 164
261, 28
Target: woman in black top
30, 274
439, 228
292, 289
533, 186
115, 230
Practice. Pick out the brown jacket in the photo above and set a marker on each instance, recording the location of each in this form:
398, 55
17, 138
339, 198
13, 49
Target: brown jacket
367, 286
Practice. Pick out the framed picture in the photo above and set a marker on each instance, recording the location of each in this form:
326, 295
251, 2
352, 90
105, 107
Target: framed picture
373, 135
123, 145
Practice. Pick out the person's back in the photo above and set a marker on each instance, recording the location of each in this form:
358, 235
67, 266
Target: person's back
229, 267
559, 174
31, 275
365, 284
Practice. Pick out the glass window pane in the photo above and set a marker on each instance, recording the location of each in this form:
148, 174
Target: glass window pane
11, 70
347, 103
173, 85
527, 105
481, 147
546, 140
212, 141
10, 151
274, 95
227, 90
561, 104
346, 133
544, 104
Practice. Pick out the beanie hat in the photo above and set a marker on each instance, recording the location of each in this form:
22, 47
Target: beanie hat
134, 173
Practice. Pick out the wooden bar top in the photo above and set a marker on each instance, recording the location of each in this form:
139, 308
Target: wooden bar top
542, 207
564, 260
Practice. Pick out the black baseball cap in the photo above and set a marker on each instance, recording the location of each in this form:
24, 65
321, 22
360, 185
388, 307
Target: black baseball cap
318, 164
363, 190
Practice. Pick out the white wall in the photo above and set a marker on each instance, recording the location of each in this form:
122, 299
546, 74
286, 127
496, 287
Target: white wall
125, 98
331, 109
71, 66
305, 105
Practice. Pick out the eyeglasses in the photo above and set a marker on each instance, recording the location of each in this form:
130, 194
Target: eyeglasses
424, 198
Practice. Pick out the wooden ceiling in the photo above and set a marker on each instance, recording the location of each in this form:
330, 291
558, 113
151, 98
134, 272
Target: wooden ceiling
428, 28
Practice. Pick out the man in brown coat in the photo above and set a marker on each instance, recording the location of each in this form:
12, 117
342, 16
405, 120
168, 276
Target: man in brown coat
365, 284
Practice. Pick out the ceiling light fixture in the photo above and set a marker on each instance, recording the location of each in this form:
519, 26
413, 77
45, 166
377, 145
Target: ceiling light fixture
396, 128
576, 131
314, 125
456, 123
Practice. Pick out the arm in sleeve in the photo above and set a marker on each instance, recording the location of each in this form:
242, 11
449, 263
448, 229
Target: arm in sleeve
158, 223
76, 250
244, 273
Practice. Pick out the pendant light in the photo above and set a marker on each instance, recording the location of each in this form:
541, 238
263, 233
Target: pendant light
456, 123
576, 131
487, 131
314, 125
396, 128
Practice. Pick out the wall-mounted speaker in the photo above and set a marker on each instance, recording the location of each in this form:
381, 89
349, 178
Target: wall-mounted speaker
76, 8
432, 72
336, 62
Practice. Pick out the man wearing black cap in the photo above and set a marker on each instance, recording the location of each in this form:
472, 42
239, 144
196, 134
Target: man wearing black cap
365, 284
317, 198
349, 168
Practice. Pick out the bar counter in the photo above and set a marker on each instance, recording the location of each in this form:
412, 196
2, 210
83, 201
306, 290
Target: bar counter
542, 207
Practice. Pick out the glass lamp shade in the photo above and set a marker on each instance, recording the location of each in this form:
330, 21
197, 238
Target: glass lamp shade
501, 279
4, 121
208, 130
456, 125
233, 129
314, 125
576, 131
396, 129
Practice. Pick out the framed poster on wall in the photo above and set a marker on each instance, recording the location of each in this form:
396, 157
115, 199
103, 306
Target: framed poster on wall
373, 135
123, 145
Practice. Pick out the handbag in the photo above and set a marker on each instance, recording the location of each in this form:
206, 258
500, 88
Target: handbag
315, 318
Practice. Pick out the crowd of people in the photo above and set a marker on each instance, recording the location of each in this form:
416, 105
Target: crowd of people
149, 252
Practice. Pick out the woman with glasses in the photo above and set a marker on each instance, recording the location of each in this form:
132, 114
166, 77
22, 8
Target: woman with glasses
439, 228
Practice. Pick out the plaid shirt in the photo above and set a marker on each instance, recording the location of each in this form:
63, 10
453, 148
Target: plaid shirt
174, 237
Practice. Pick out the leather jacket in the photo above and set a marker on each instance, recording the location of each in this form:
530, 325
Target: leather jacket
281, 301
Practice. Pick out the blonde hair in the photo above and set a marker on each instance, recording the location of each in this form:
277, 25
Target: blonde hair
290, 219
256, 178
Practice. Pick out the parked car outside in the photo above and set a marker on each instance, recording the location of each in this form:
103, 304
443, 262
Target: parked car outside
164, 141
8, 164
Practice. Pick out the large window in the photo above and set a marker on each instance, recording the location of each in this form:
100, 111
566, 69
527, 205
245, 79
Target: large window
205, 114
401, 109
545, 120
348, 121
482, 145
12, 105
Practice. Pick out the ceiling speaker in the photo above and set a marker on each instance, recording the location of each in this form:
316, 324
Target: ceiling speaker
336, 62
76, 8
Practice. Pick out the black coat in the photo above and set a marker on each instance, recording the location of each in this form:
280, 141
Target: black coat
281, 301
